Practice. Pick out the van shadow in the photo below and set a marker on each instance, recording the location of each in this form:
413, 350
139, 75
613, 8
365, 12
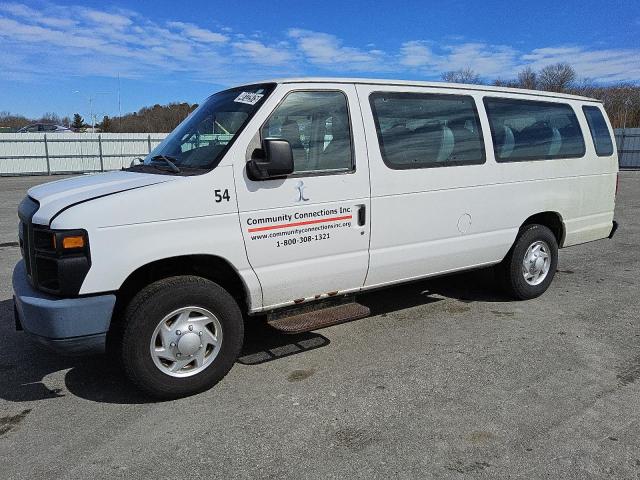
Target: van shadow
263, 343
28, 371
467, 287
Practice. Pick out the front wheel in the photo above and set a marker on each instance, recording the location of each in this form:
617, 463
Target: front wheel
529, 267
181, 336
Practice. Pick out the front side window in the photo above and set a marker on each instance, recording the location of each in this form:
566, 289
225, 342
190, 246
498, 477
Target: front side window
417, 130
532, 130
201, 140
316, 125
599, 131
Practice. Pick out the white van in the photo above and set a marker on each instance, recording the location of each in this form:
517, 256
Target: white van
289, 197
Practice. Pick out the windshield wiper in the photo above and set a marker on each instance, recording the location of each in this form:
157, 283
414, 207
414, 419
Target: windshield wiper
169, 161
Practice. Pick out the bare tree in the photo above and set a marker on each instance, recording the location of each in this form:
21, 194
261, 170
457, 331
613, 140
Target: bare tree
558, 77
106, 125
464, 75
50, 117
621, 101
157, 118
527, 78
499, 82
13, 122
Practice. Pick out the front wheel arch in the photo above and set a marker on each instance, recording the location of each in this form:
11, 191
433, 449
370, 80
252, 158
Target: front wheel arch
209, 267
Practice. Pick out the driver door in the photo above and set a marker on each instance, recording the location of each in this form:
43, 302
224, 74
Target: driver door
307, 235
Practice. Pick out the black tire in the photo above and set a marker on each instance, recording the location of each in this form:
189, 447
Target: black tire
150, 306
509, 272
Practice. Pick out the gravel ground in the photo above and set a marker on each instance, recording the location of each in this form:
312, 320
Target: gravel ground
447, 379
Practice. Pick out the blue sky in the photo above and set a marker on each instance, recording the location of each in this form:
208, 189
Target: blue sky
182, 51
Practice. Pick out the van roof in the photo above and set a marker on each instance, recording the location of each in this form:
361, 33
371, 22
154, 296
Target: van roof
415, 83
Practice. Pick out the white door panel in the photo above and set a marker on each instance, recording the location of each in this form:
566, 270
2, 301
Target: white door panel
301, 233
429, 220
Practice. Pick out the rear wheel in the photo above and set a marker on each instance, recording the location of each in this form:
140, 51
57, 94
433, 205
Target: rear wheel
181, 336
529, 267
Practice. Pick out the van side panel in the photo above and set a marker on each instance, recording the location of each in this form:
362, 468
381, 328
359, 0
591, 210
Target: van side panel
431, 220
435, 220
182, 217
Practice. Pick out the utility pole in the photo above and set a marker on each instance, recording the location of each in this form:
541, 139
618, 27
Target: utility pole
119, 107
90, 99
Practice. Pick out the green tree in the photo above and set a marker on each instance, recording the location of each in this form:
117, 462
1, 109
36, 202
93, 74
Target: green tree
78, 122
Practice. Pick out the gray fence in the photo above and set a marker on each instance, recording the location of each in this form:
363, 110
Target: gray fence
628, 141
41, 154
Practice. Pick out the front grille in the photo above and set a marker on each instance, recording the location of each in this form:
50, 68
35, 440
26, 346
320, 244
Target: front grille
49, 268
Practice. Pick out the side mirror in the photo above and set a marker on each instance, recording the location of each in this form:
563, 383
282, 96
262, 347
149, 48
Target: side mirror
273, 160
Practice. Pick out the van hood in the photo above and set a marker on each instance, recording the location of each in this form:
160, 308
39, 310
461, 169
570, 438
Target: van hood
56, 196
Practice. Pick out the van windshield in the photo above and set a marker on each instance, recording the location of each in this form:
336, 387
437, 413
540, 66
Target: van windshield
201, 140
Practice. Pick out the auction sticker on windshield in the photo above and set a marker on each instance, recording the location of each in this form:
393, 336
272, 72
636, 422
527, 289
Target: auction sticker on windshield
249, 98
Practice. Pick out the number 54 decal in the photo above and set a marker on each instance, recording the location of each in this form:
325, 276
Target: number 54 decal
221, 195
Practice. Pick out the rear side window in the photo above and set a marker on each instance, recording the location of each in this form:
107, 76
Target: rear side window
599, 131
417, 130
531, 130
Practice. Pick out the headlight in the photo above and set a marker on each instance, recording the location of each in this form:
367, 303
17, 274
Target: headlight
61, 259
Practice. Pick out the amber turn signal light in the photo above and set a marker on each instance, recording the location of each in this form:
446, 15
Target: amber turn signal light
76, 241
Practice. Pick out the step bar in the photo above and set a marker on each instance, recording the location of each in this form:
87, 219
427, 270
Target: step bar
306, 320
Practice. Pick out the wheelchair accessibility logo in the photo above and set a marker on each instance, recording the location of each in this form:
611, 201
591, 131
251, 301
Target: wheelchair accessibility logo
300, 187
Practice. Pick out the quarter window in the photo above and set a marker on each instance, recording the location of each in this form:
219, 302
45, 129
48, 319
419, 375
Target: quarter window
532, 130
417, 130
316, 125
599, 131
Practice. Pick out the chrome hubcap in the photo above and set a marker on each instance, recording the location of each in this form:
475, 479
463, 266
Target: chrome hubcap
536, 263
186, 341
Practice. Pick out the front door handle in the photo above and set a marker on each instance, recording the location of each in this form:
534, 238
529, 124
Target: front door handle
362, 215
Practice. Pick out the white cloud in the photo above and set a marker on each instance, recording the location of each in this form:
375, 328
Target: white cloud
486, 60
501, 61
608, 65
260, 53
80, 41
199, 34
325, 50
418, 54
113, 20
36, 16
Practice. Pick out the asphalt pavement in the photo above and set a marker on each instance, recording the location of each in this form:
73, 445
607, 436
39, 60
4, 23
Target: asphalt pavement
447, 379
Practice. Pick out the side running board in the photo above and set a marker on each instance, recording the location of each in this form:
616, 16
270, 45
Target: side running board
298, 322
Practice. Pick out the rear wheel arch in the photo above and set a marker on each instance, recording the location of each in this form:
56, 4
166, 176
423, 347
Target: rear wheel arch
552, 220
534, 252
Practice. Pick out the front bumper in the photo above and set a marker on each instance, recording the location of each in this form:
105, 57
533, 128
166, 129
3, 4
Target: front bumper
68, 325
